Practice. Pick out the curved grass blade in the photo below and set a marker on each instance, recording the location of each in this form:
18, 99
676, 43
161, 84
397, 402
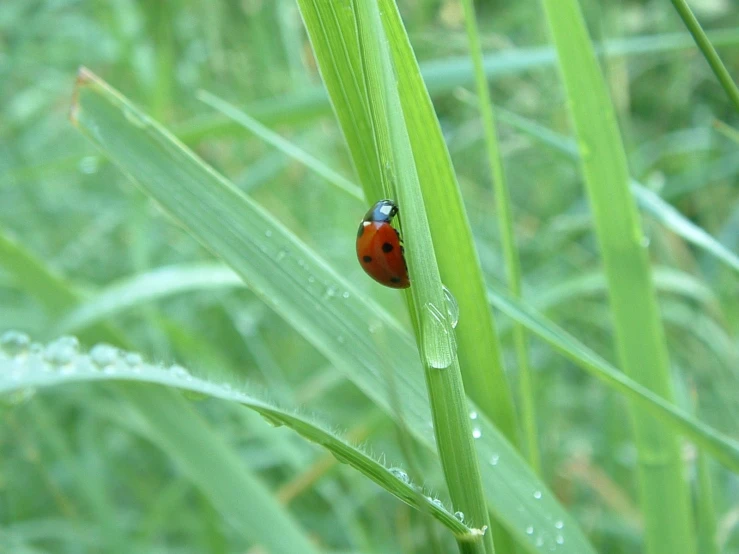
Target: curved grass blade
25, 369
145, 288
355, 334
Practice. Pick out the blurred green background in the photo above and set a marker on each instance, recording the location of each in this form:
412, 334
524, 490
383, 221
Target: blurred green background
73, 459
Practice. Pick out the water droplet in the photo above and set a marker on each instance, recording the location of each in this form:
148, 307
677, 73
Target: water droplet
133, 359
268, 233
539, 541
330, 292
473, 414
559, 524
400, 474
15, 343
530, 530
179, 371
494, 459
89, 165
439, 346
281, 255
345, 295
452, 308
438, 503
134, 117
62, 351
537, 494
476, 433
560, 539
459, 516
103, 354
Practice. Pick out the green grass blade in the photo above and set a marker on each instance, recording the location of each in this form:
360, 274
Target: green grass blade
638, 330
356, 335
282, 144
478, 344
708, 51
146, 288
24, 370
723, 448
647, 200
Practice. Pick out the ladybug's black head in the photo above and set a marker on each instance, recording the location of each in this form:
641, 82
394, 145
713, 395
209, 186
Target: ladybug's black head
384, 210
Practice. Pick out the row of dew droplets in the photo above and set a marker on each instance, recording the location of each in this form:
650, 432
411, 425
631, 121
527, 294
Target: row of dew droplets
539, 540
437, 331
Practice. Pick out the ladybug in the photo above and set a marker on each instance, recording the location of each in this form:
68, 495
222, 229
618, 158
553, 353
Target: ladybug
379, 248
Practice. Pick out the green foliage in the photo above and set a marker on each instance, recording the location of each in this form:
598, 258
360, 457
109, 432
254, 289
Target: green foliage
250, 280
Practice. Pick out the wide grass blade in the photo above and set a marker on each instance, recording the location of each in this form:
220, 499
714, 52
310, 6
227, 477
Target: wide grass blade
639, 335
356, 335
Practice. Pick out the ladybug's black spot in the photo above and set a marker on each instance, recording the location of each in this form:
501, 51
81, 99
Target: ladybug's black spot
387, 247
366, 259
395, 279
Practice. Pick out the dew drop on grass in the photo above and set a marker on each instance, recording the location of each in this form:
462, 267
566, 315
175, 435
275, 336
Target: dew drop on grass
559, 524
15, 343
452, 308
268, 233
539, 541
400, 474
530, 530
473, 415
62, 351
494, 459
179, 371
133, 359
537, 494
560, 539
459, 516
476, 433
438, 503
103, 354
439, 346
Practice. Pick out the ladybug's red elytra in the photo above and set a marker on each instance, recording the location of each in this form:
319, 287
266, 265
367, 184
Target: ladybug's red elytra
379, 248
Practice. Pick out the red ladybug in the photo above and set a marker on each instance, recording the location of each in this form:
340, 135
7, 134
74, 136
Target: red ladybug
378, 246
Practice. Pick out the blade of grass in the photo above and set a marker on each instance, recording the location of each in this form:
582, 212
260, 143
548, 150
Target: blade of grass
648, 201
355, 334
434, 330
708, 51
282, 144
638, 330
723, 448
31, 370
507, 233
479, 347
